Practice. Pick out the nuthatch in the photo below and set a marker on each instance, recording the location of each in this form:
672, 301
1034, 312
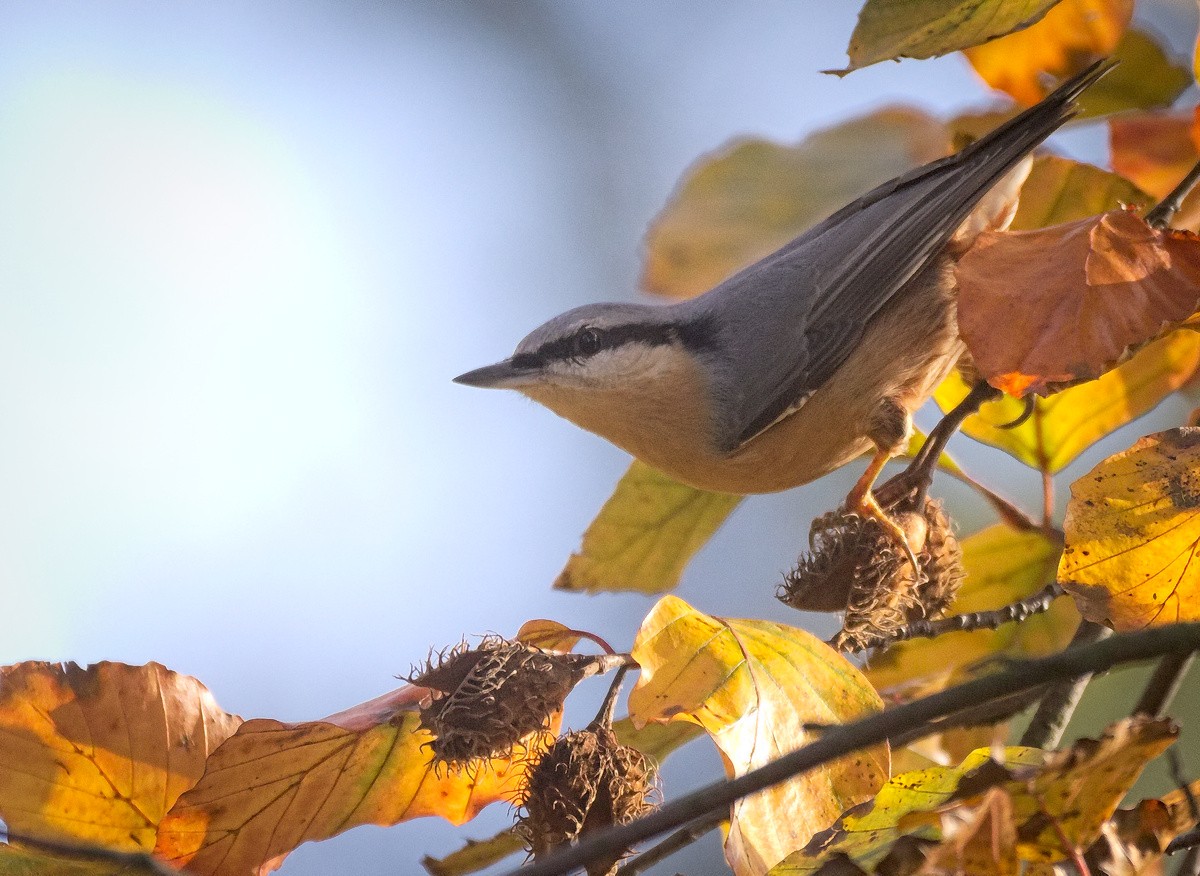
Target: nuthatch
801, 362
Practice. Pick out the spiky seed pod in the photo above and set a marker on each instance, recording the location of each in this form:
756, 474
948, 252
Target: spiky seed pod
488, 698
941, 563
585, 782
853, 565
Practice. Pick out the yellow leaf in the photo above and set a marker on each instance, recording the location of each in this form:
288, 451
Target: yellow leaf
752, 196
476, 855
1133, 531
1068, 422
755, 686
1062, 43
272, 786
866, 833
986, 843
645, 534
18, 861
1060, 190
655, 741
548, 635
1003, 565
100, 754
928, 28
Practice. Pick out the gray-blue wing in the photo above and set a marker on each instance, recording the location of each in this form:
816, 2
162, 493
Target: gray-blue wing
826, 285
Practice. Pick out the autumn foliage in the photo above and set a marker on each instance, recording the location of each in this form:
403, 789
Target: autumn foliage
1082, 316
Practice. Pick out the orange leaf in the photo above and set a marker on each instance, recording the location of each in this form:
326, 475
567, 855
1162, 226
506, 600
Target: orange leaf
273, 786
100, 754
1070, 35
1156, 150
1061, 304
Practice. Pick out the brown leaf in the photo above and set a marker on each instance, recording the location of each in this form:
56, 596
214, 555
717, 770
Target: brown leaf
1061, 304
1067, 39
273, 786
101, 754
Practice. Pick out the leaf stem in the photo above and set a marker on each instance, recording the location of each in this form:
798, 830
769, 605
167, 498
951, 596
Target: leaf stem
1162, 214
604, 715
922, 717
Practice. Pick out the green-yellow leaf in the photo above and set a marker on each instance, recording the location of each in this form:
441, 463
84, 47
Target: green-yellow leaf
1003, 565
889, 29
645, 534
1146, 77
1133, 533
867, 832
755, 686
476, 855
1060, 190
1065, 424
752, 196
655, 741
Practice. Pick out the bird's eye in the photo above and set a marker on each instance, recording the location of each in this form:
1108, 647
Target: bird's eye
587, 343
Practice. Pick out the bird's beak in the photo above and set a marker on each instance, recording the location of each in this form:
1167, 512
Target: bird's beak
502, 375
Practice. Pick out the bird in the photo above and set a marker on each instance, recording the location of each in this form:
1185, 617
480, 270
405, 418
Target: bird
806, 359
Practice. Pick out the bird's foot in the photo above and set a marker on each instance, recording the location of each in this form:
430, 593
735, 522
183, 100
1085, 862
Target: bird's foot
867, 507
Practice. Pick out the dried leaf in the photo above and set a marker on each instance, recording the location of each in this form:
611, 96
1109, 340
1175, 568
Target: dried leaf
1080, 787
867, 832
1156, 151
549, 635
1055, 305
987, 843
1066, 40
1003, 565
273, 786
1133, 530
476, 855
752, 196
755, 686
645, 534
889, 29
101, 754
1068, 422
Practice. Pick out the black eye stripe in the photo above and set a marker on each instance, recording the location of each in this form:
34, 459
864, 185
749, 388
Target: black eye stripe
588, 341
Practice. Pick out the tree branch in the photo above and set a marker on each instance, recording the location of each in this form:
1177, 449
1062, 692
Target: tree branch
681, 839
1163, 685
1161, 215
975, 620
1054, 712
922, 717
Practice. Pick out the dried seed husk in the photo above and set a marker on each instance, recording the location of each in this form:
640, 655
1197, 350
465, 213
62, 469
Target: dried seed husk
856, 567
585, 782
487, 699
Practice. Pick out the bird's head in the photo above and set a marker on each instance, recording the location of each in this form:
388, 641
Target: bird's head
596, 348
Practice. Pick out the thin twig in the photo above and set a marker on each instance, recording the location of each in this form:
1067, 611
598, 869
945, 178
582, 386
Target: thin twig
1160, 690
91, 852
1189, 840
975, 620
681, 839
1190, 865
1054, 712
1161, 215
604, 715
922, 717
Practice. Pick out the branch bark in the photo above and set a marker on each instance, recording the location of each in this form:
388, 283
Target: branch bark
922, 717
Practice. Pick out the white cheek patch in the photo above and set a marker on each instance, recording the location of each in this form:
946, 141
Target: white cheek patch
628, 362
